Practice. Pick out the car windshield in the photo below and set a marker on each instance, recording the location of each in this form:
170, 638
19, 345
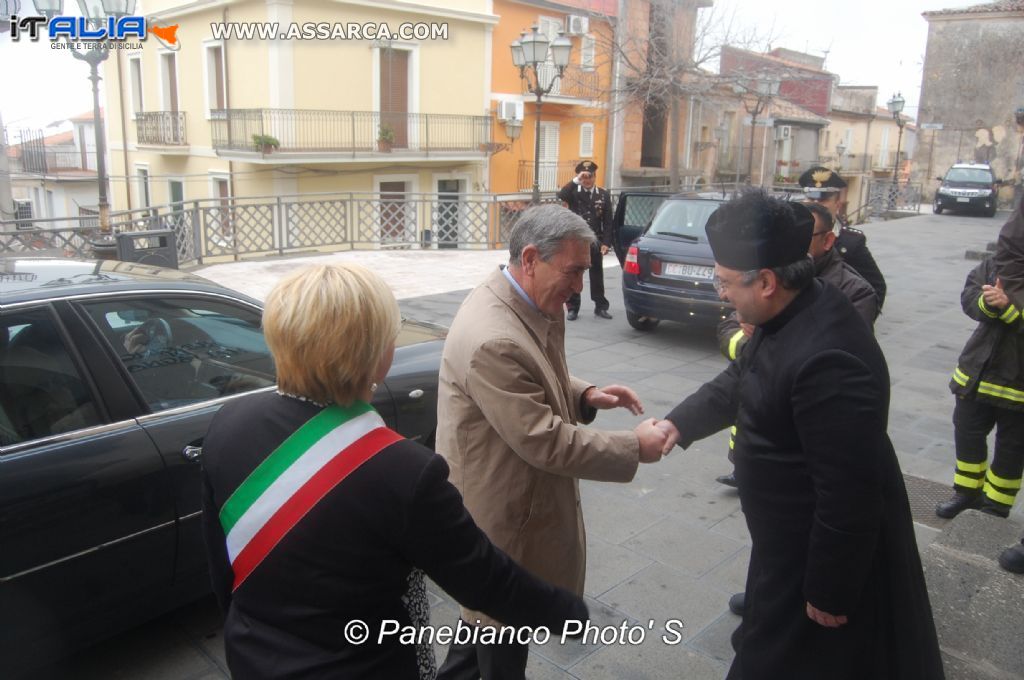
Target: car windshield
683, 218
978, 175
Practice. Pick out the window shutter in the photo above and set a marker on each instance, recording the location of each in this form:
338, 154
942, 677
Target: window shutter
586, 140
587, 49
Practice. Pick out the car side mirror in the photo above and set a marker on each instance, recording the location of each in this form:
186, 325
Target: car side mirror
998, 181
939, 178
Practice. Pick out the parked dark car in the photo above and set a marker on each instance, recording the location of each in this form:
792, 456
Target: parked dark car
667, 265
967, 186
100, 443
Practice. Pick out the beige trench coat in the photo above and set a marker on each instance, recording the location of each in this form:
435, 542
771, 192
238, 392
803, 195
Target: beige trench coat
507, 423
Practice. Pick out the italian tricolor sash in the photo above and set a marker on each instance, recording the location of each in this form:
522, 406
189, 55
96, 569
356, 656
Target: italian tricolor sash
294, 477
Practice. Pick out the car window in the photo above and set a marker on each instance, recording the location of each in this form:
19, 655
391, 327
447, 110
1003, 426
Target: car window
683, 218
180, 351
43, 392
978, 175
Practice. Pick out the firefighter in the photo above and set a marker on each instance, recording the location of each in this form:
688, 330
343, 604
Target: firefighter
989, 391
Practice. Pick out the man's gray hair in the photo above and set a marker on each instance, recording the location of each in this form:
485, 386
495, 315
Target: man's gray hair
547, 226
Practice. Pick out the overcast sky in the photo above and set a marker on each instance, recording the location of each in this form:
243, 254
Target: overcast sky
869, 42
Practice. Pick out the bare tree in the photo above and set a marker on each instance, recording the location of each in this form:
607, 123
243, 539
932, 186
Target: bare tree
665, 51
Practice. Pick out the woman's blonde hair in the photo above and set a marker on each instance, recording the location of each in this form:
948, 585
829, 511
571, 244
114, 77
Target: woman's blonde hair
328, 326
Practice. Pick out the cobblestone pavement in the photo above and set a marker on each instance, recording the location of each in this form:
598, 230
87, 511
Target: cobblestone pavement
672, 545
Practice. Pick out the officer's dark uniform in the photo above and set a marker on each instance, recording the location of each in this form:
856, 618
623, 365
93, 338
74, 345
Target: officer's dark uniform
989, 391
820, 183
595, 206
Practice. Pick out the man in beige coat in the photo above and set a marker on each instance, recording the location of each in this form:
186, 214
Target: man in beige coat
509, 419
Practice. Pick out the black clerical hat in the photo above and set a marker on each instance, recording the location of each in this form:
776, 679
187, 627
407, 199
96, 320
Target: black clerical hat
756, 231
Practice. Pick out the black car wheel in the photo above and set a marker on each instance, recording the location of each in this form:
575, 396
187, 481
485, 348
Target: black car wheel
937, 207
991, 212
642, 323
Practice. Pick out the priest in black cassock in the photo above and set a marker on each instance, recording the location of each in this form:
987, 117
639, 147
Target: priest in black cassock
835, 587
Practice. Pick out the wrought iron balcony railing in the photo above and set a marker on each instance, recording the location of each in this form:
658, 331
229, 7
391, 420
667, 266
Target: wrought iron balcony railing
313, 131
161, 127
575, 82
553, 175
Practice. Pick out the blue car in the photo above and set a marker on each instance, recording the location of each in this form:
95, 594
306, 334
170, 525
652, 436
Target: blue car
667, 265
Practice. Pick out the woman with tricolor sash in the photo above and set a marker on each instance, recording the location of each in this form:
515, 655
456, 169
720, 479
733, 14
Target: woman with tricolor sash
320, 522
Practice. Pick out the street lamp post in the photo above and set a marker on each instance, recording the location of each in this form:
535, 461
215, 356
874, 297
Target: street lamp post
840, 150
95, 13
766, 87
895, 108
529, 52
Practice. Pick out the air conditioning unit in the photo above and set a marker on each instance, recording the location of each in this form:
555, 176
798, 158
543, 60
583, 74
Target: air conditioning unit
510, 110
576, 24
783, 132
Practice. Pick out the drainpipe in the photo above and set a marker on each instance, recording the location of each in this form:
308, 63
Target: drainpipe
124, 131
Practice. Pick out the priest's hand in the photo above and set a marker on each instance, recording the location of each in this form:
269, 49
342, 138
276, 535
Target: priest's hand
612, 396
824, 618
652, 440
671, 435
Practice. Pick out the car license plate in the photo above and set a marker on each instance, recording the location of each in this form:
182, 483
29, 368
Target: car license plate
692, 271
961, 199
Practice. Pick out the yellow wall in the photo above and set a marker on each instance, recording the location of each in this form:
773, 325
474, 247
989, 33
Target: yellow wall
326, 75
515, 18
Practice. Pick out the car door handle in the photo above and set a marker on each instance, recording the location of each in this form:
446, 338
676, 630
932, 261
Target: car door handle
416, 394
192, 453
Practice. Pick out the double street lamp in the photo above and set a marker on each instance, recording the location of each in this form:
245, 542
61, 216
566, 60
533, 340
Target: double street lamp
530, 55
765, 88
896, 108
95, 13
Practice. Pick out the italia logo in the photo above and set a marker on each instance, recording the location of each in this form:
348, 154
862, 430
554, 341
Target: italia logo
80, 29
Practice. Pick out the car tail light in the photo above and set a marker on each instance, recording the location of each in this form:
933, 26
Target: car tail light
655, 266
631, 266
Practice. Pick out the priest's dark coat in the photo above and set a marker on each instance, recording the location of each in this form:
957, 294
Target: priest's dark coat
824, 500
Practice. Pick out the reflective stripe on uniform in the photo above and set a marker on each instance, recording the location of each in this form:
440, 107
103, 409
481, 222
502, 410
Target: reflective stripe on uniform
734, 343
960, 378
1010, 315
1002, 482
968, 482
964, 466
998, 496
984, 308
1001, 392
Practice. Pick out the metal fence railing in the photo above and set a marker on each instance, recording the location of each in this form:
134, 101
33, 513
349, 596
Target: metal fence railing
886, 196
576, 82
307, 130
268, 225
161, 127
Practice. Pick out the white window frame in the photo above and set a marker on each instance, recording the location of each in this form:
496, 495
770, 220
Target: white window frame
586, 152
144, 189
208, 82
588, 46
140, 105
165, 90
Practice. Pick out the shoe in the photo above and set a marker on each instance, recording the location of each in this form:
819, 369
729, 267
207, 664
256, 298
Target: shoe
737, 603
990, 508
728, 480
1012, 559
603, 313
571, 315
957, 504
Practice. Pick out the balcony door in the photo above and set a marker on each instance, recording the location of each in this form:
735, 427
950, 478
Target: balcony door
548, 156
394, 95
169, 73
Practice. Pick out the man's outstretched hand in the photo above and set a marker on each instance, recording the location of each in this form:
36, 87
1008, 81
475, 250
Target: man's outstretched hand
613, 396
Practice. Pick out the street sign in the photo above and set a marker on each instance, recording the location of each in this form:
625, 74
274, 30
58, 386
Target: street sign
761, 122
930, 126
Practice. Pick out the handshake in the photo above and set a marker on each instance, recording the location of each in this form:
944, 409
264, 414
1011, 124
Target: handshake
656, 437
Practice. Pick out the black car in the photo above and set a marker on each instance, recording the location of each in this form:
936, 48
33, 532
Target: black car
667, 265
967, 186
100, 441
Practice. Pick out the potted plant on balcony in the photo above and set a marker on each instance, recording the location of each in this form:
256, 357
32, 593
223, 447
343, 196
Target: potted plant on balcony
265, 143
385, 137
